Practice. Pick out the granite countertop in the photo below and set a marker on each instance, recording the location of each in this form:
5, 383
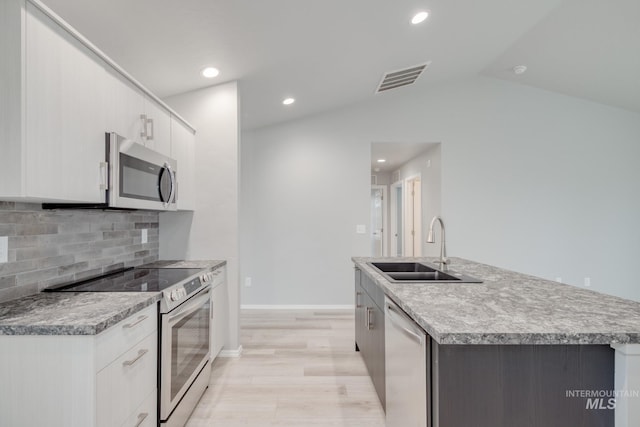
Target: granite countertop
82, 313
71, 313
510, 308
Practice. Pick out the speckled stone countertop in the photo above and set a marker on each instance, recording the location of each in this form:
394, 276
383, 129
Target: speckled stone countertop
71, 313
510, 308
82, 313
212, 264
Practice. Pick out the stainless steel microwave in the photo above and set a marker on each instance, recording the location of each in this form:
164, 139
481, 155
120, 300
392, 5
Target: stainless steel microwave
134, 177
138, 177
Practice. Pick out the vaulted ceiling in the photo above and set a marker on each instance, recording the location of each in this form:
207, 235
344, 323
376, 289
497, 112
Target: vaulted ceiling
332, 53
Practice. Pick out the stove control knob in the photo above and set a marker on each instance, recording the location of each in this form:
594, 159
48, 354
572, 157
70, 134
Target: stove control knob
183, 293
210, 276
173, 296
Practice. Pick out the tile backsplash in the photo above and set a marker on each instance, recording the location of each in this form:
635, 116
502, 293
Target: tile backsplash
48, 247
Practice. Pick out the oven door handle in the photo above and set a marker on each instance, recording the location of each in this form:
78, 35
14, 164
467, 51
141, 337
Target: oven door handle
190, 308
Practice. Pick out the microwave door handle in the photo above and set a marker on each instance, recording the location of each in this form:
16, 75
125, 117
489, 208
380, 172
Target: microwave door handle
166, 201
174, 185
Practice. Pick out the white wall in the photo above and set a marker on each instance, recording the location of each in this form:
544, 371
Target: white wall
211, 231
531, 181
300, 184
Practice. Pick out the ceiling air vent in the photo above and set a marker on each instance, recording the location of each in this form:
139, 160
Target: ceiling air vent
399, 78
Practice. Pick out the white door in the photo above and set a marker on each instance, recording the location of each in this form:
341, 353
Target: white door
378, 220
413, 217
396, 216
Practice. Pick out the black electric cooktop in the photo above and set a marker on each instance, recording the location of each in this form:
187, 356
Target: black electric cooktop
131, 280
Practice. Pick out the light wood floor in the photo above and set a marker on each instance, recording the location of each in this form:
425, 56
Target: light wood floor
298, 369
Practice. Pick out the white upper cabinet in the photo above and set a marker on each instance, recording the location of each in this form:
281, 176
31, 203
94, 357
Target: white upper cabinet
57, 141
135, 115
183, 149
125, 105
158, 127
59, 96
64, 138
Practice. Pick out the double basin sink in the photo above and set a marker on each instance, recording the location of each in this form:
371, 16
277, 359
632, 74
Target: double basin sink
419, 272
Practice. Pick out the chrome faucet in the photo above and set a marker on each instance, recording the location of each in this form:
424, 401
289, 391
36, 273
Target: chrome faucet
443, 250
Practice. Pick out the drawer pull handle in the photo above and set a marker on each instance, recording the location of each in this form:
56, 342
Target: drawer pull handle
141, 418
131, 325
132, 361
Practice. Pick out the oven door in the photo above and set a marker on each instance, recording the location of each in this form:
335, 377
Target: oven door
184, 348
140, 178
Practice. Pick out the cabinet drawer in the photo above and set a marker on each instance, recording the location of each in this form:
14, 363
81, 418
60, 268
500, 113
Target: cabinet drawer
145, 415
375, 292
124, 384
119, 338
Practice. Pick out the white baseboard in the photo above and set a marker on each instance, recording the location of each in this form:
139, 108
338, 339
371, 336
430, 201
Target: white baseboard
231, 353
295, 307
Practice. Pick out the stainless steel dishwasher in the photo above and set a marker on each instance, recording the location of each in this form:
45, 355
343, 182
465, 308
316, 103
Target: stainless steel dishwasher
407, 353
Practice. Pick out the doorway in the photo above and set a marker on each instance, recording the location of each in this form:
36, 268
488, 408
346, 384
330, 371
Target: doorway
379, 221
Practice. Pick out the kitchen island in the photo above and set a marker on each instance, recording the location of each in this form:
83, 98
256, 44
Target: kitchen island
521, 320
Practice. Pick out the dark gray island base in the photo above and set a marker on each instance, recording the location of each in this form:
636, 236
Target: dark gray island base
471, 383
521, 385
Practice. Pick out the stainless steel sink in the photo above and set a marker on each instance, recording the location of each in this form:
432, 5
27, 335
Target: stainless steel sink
419, 272
391, 267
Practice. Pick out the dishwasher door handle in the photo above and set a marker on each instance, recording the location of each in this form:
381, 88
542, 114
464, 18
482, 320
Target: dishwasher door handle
396, 318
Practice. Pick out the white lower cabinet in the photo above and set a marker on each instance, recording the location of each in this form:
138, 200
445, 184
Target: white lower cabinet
104, 380
123, 385
219, 314
145, 414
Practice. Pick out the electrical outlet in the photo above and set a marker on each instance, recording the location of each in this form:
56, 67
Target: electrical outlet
361, 229
4, 249
145, 236
247, 282
587, 282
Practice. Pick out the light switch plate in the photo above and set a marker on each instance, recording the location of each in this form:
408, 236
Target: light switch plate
361, 229
4, 249
145, 238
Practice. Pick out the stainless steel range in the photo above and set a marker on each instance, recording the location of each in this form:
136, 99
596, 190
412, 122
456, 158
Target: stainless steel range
184, 365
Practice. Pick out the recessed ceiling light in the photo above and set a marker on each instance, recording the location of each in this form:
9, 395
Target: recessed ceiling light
210, 72
288, 101
519, 69
419, 17
382, 160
